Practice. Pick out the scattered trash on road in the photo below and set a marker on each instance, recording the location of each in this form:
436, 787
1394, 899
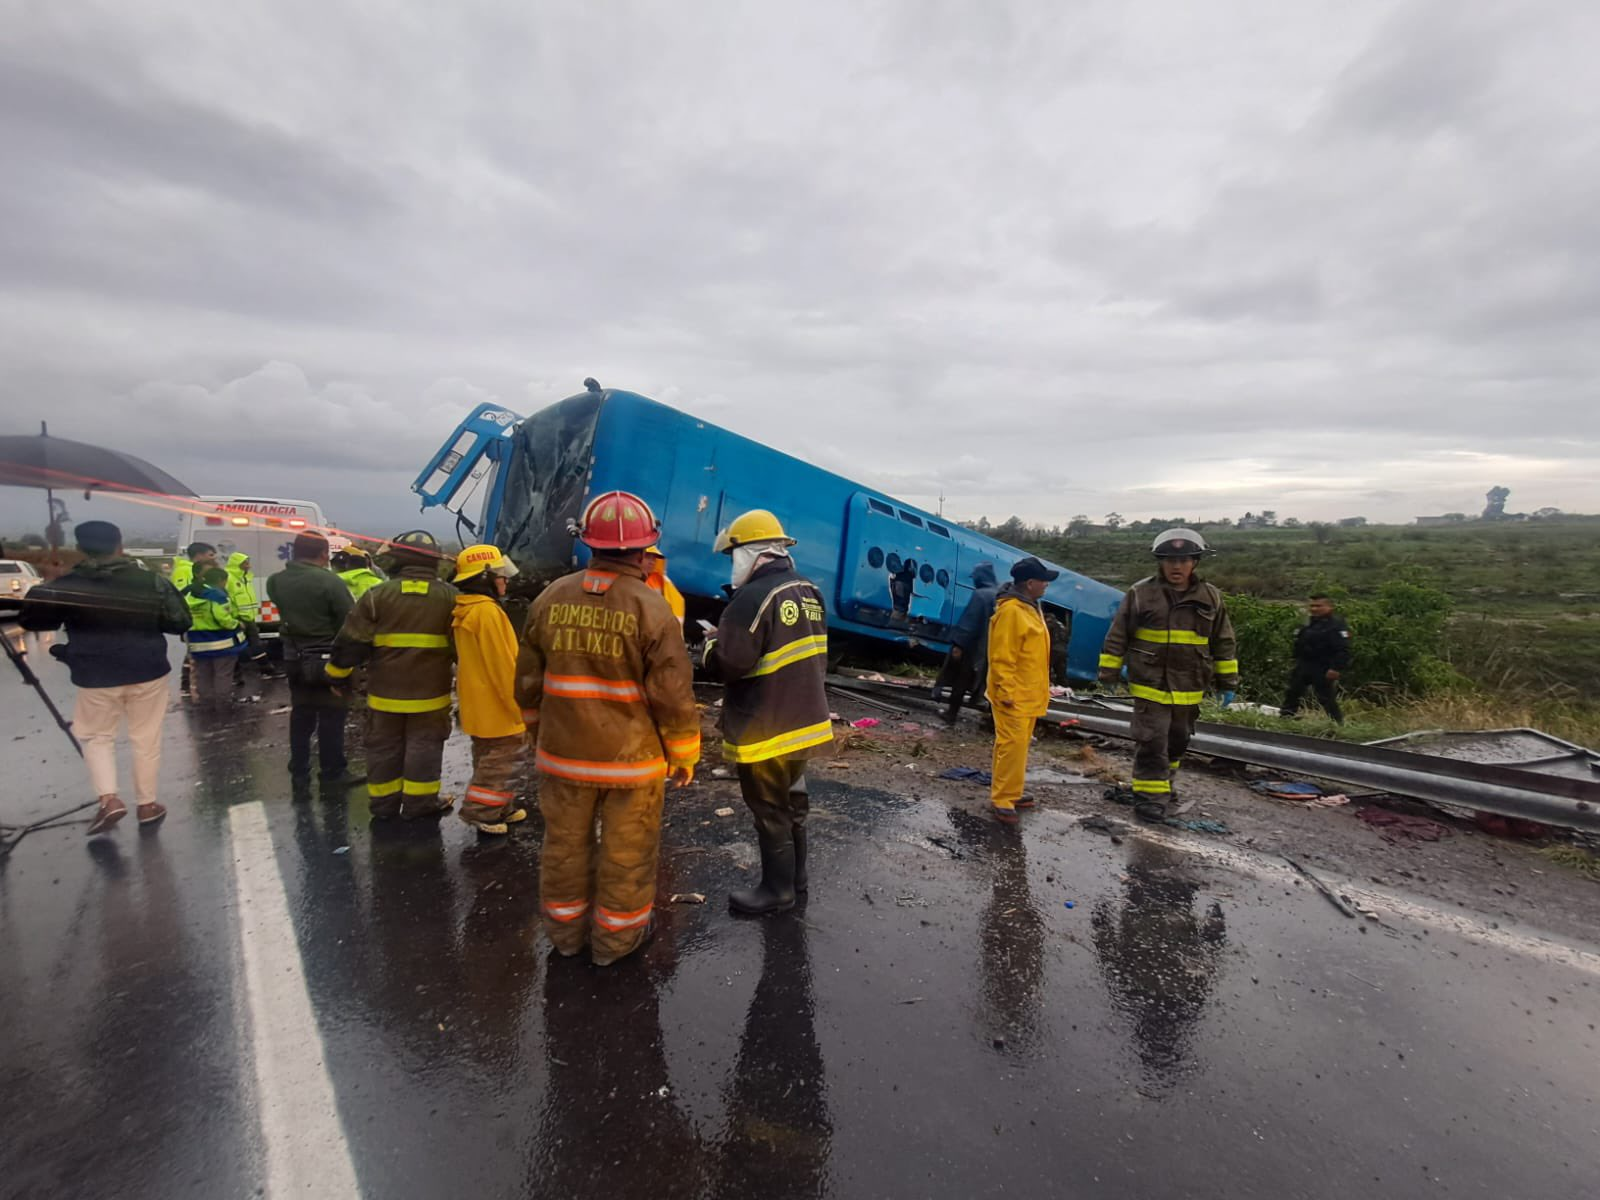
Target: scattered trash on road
1397, 826
342, 850
865, 723
1102, 824
1199, 825
1070, 903
970, 774
686, 898
723, 812
1307, 795
1336, 899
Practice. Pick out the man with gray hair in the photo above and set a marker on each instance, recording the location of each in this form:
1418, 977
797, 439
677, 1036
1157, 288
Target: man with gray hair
117, 617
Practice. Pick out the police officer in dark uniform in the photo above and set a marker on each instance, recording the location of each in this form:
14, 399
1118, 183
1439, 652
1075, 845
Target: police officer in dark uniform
1321, 653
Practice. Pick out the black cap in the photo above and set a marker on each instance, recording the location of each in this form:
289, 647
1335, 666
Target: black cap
309, 547
1032, 568
97, 537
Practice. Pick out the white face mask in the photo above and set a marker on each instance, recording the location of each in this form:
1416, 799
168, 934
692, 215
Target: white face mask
747, 558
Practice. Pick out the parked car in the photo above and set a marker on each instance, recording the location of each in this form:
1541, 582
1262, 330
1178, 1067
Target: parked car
16, 581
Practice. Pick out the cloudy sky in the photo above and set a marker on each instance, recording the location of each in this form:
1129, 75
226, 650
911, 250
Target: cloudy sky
1043, 256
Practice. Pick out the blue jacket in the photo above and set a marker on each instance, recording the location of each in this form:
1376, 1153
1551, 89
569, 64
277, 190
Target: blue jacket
117, 616
972, 630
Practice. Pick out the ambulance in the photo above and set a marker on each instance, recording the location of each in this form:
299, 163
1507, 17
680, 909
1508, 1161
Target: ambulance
264, 529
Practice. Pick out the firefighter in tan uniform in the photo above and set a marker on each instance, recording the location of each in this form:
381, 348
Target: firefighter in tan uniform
604, 679
402, 628
771, 651
1174, 636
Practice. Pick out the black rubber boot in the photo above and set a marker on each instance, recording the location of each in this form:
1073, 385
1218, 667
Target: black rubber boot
775, 893
800, 880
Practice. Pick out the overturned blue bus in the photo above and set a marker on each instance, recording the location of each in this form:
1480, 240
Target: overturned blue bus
524, 478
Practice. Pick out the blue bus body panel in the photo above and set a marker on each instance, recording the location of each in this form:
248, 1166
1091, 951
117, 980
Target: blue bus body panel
699, 476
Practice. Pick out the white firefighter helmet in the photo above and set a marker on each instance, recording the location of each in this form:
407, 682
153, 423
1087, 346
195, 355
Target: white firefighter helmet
1179, 543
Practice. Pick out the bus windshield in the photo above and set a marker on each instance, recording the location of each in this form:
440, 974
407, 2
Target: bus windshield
546, 478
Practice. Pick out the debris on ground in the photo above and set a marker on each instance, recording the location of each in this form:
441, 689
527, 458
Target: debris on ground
1510, 827
722, 812
1307, 795
1051, 775
970, 774
1199, 825
1102, 824
865, 723
1337, 899
686, 898
1581, 861
1396, 826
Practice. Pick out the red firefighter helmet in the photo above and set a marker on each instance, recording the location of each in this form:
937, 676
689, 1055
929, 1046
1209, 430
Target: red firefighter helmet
618, 521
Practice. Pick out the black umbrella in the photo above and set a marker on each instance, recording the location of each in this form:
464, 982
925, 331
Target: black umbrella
68, 466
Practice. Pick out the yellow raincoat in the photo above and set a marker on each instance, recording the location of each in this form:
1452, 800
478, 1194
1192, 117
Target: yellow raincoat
1019, 690
486, 668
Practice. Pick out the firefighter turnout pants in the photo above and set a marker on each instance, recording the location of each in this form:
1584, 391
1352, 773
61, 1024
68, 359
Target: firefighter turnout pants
405, 757
1161, 734
497, 766
1013, 735
601, 894
774, 792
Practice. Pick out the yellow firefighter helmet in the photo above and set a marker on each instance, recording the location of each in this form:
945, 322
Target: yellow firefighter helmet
757, 525
475, 560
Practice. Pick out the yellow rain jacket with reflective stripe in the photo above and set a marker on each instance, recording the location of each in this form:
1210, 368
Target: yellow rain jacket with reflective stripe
486, 669
603, 673
1019, 656
403, 627
242, 588
1172, 644
771, 650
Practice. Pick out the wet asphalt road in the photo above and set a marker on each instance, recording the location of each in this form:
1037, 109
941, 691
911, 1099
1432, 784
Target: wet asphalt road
936, 1022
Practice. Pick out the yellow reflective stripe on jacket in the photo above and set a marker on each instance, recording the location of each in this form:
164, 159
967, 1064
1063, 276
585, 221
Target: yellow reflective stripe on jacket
784, 743
428, 788
414, 587
1155, 694
412, 641
390, 704
1110, 662
1174, 637
1226, 666
601, 774
337, 672
795, 651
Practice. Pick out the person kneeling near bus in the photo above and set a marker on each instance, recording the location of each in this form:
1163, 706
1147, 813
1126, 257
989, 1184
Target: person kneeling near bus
604, 677
1173, 634
486, 669
771, 652
1019, 682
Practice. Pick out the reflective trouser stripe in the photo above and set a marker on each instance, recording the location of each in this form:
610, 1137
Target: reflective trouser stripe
1160, 697
1110, 662
1153, 787
383, 789
607, 919
591, 687
428, 787
413, 641
390, 704
209, 646
1226, 666
337, 672
482, 795
601, 774
1175, 763
796, 651
783, 743
1173, 637
566, 912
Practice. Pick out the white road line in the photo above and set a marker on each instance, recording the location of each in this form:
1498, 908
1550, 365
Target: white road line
307, 1154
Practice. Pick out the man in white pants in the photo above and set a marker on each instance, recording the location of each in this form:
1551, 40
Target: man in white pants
117, 616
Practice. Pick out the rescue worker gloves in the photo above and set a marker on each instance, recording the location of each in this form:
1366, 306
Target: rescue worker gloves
618, 521
475, 560
757, 525
1179, 543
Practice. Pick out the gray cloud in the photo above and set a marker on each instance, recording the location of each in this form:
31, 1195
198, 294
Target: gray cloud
1044, 259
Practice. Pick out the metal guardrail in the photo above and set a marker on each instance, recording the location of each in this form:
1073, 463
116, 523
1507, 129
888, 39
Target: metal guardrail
1486, 787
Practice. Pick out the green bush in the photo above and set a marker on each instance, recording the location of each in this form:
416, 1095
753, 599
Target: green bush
1397, 642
